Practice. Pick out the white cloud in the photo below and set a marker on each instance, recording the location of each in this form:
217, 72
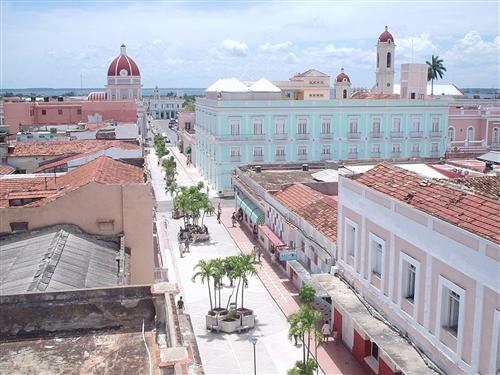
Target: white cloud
472, 48
268, 47
234, 48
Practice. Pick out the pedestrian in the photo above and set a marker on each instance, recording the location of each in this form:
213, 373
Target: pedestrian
259, 253
218, 216
180, 305
254, 253
208, 189
186, 244
325, 330
233, 219
218, 208
295, 338
181, 249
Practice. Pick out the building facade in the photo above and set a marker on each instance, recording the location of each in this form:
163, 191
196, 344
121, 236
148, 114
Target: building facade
384, 73
163, 107
236, 132
187, 136
425, 254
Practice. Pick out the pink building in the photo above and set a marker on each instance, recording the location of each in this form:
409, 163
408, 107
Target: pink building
67, 112
425, 254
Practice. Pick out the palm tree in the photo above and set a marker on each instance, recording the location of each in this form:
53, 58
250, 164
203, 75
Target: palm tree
247, 269
204, 273
435, 70
217, 267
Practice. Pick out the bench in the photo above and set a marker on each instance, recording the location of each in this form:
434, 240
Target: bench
242, 328
214, 328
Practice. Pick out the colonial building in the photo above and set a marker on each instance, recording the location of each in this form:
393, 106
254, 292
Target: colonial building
384, 73
162, 107
124, 78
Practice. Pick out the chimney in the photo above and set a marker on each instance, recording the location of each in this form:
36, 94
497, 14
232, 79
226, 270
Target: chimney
258, 168
305, 167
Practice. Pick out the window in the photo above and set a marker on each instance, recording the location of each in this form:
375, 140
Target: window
325, 126
470, 133
353, 125
396, 147
280, 126
79, 111
44, 111
235, 151
302, 150
434, 147
411, 272
344, 94
415, 147
377, 254
376, 126
396, 125
315, 259
451, 311
326, 150
374, 350
302, 126
257, 126
495, 139
451, 133
388, 60
235, 127
435, 125
416, 124
280, 151
376, 148
59, 111
19, 226
257, 151
378, 60
353, 149
350, 238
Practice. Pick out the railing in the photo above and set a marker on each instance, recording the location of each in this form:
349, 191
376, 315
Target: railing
240, 137
326, 135
301, 156
416, 134
326, 156
280, 157
280, 136
258, 157
302, 136
375, 154
435, 134
396, 135
396, 154
376, 134
352, 155
235, 158
160, 274
353, 135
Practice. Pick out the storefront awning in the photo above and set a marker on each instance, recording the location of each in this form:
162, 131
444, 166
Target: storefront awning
253, 212
275, 240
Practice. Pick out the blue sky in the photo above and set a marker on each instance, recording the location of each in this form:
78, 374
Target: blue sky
193, 43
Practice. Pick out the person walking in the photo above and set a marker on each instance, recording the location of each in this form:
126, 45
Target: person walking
180, 305
181, 249
259, 253
218, 216
325, 330
233, 219
186, 245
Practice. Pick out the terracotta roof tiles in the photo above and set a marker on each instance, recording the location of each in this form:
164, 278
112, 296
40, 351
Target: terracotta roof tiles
56, 148
6, 169
466, 209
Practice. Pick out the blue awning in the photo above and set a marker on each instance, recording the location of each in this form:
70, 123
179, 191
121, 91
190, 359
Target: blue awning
253, 212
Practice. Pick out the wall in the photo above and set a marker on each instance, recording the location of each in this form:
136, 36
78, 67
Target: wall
128, 207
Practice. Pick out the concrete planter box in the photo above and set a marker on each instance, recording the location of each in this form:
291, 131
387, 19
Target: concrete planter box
229, 326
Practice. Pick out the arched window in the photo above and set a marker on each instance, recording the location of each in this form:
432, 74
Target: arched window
344, 95
451, 133
378, 59
496, 136
470, 133
388, 59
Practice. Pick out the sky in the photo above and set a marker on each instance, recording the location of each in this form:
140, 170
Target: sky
193, 43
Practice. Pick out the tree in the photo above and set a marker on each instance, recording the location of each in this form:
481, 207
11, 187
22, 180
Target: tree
217, 267
169, 166
246, 269
204, 272
192, 201
435, 70
303, 368
306, 295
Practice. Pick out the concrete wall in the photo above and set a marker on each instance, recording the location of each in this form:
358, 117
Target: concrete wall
100, 209
36, 314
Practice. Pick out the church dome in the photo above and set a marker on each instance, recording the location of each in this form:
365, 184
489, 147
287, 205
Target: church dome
385, 37
123, 65
342, 77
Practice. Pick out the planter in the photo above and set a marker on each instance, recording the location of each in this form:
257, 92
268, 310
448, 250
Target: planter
220, 323
230, 325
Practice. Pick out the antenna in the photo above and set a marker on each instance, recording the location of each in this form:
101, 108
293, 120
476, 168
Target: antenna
81, 80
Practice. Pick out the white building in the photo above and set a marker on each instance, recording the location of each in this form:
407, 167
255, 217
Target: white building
163, 107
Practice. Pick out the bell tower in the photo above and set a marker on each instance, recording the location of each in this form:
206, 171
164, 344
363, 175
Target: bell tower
384, 73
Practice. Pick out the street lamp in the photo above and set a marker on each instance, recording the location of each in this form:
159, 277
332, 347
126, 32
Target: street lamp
253, 340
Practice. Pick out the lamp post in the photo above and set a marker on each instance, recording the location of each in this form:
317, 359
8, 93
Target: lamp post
253, 340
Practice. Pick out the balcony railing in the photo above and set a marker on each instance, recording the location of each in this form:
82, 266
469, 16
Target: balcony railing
416, 134
280, 157
397, 135
280, 136
301, 156
160, 274
326, 156
301, 136
240, 137
435, 134
375, 154
415, 154
353, 135
377, 135
395, 154
352, 155
326, 135
258, 158
235, 158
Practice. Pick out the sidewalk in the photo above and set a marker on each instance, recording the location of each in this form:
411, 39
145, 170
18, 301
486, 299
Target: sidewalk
333, 358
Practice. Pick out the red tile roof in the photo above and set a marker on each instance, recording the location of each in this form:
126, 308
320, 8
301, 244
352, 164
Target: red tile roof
471, 211
6, 169
56, 148
102, 170
318, 209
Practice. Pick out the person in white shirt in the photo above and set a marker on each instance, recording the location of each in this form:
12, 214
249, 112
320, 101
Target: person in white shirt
325, 330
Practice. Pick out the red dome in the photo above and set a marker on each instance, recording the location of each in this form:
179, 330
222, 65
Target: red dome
342, 77
123, 63
385, 36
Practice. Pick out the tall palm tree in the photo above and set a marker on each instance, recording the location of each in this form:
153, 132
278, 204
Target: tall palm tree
217, 267
204, 273
247, 269
435, 70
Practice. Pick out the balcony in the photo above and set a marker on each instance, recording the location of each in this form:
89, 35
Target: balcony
326, 136
396, 154
377, 135
435, 134
302, 136
235, 158
281, 136
326, 156
352, 155
353, 135
375, 154
301, 156
416, 134
280, 157
240, 137
397, 135
415, 154
258, 158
